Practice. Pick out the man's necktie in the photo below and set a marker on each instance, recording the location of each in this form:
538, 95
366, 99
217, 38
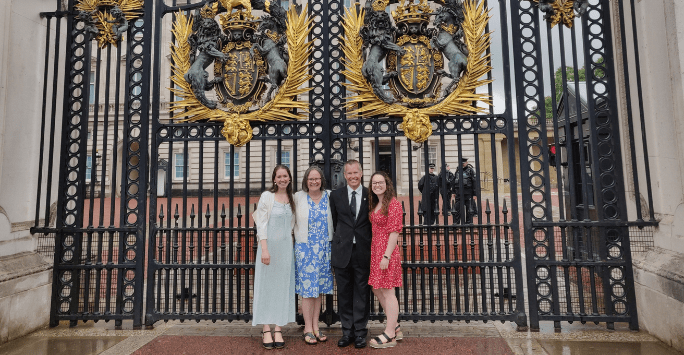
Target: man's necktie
352, 204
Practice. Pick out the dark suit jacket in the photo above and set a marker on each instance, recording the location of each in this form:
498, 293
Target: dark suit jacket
346, 229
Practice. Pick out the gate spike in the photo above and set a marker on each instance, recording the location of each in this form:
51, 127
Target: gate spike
420, 212
176, 215
223, 211
487, 210
161, 212
239, 213
192, 211
505, 209
207, 215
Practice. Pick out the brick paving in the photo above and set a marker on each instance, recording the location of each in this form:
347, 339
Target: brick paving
492, 338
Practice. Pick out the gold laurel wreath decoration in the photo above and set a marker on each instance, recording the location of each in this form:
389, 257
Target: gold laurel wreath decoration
236, 128
416, 122
130, 8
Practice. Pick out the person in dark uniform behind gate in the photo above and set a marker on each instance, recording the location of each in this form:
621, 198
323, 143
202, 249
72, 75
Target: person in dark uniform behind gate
467, 174
446, 180
432, 180
351, 255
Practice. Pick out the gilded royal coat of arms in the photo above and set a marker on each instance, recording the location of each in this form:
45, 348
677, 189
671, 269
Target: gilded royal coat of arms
259, 65
409, 65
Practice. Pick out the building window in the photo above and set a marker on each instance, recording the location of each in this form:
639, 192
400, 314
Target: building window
176, 97
285, 158
432, 156
137, 89
89, 167
179, 165
285, 4
92, 87
226, 165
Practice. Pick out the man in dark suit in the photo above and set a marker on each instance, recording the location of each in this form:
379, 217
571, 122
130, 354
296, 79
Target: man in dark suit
351, 248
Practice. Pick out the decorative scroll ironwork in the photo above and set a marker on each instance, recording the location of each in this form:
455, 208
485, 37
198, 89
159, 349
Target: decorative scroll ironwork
200, 245
242, 69
108, 20
370, 100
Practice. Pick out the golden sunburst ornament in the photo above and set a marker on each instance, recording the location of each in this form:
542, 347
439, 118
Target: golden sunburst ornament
236, 127
416, 121
563, 12
105, 21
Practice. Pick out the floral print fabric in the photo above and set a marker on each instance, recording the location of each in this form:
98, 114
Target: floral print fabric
382, 227
312, 268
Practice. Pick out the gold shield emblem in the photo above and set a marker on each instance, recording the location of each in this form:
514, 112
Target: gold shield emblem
240, 73
416, 67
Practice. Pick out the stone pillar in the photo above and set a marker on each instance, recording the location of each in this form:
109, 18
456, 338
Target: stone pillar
25, 277
659, 274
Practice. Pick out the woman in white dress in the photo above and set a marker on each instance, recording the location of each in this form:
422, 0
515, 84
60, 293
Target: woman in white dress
274, 272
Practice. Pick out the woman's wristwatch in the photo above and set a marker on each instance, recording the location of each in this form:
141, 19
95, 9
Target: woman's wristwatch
386, 257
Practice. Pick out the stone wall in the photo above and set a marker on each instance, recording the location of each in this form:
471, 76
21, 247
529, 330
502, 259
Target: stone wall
25, 278
659, 274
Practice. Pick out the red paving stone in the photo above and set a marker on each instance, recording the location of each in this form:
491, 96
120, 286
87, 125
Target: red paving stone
201, 345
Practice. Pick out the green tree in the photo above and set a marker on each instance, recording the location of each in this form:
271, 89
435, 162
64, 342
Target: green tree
569, 77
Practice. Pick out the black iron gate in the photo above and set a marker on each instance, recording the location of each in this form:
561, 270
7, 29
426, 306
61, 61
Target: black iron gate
196, 260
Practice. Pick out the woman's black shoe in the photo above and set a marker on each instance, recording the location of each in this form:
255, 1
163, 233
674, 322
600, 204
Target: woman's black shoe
278, 344
267, 346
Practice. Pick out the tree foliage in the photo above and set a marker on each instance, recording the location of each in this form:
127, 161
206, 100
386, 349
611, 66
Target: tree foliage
569, 77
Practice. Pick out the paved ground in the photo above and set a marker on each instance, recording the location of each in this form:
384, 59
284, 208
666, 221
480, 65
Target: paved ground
420, 338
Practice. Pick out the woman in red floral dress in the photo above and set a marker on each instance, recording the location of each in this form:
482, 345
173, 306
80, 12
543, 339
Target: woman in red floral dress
385, 271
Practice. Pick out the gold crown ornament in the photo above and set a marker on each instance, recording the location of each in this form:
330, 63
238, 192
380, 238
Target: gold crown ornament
412, 13
209, 11
380, 5
239, 19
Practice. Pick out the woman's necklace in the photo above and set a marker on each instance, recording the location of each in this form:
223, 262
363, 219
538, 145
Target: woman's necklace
316, 199
282, 197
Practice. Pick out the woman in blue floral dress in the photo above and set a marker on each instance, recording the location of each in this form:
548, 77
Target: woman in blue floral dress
313, 234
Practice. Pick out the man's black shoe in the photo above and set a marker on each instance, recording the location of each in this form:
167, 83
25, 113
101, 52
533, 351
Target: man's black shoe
344, 341
360, 342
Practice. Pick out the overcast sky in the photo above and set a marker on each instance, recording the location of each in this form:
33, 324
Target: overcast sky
497, 54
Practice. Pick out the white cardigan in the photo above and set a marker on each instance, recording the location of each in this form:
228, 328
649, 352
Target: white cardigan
302, 221
263, 213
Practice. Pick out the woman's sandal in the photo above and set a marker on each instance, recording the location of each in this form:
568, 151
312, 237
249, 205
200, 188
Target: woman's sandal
267, 346
322, 338
379, 344
309, 338
398, 334
278, 344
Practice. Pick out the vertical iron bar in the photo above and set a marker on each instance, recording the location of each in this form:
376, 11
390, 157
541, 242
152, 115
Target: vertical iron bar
644, 143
